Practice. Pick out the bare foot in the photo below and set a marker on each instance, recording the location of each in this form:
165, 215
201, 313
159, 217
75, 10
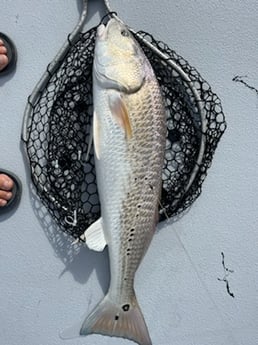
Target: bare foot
3, 57
6, 185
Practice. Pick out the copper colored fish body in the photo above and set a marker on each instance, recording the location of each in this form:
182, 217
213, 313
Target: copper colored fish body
129, 142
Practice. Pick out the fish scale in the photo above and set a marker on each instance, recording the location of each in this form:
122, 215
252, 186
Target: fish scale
129, 144
145, 159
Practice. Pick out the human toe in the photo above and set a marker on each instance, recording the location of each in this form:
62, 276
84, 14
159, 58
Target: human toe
3, 50
4, 197
3, 61
3, 202
6, 183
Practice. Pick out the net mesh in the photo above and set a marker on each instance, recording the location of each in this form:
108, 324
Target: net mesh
59, 135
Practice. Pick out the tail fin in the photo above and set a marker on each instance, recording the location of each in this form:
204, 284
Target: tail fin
124, 321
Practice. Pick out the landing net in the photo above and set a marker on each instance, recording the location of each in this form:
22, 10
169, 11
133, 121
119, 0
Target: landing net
59, 130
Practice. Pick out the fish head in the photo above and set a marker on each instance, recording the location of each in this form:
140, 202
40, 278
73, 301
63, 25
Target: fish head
119, 61
116, 42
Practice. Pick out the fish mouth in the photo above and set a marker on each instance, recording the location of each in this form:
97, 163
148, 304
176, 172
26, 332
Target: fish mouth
102, 30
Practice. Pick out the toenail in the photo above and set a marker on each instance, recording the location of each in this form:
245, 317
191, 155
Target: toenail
8, 196
3, 202
3, 49
3, 58
7, 184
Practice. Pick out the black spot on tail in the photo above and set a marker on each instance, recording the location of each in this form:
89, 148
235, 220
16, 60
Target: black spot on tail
126, 307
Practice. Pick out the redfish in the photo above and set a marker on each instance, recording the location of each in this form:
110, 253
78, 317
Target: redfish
129, 131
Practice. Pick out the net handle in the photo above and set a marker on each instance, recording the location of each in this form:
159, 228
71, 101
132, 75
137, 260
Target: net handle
51, 68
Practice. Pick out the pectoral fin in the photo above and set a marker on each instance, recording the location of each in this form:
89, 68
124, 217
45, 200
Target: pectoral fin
96, 134
120, 113
94, 236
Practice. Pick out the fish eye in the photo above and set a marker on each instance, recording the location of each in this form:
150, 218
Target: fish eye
125, 33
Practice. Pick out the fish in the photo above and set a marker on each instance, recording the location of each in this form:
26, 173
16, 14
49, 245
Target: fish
129, 134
